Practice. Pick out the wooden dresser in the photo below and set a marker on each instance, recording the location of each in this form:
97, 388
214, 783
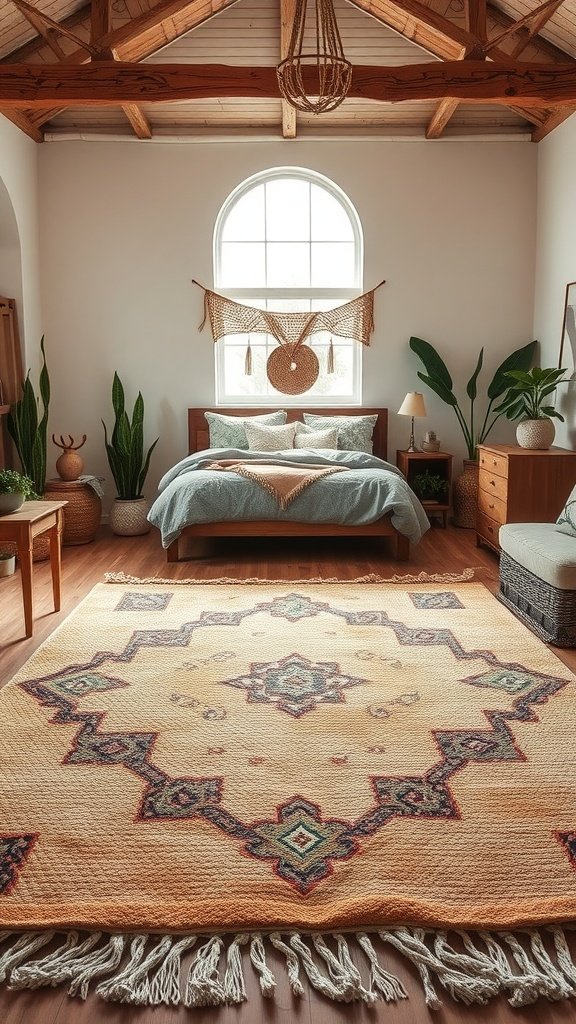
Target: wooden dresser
520, 485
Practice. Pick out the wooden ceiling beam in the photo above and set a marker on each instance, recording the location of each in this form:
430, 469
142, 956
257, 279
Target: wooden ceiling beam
113, 84
100, 27
139, 38
31, 49
49, 30
287, 13
422, 25
475, 12
533, 23
555, 118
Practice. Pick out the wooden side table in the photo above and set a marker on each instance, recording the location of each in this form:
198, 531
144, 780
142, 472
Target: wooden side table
439, 463
34, 518
83, 509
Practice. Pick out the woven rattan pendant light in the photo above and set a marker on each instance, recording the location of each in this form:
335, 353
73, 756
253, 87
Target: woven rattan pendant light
315, 82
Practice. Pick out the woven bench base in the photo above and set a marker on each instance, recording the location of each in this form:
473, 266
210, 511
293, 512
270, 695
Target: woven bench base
546, 610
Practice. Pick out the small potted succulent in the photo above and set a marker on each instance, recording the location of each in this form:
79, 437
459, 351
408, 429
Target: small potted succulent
429, 487
529, 401
15, 488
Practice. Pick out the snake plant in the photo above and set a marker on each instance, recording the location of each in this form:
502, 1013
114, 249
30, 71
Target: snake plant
125, 449
28, 432
438, 378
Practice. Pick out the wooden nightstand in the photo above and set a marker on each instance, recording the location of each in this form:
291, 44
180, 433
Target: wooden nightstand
520, 485
439, 463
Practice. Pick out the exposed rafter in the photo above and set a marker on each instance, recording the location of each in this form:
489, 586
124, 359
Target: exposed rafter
100, 27
287, 12
112, 84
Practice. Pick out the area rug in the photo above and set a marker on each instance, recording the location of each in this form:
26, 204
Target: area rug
323, 768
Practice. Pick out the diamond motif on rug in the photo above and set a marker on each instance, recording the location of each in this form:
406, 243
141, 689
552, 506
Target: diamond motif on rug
180, 798
440, 599
293, 607
504, 679
132, 601
14, 851
295, 684
301, 844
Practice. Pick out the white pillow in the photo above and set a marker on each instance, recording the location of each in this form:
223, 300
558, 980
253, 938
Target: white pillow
228, 431
307, 438
262, 438
354, 432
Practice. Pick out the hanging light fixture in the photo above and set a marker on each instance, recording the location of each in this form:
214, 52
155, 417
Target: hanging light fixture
333, 73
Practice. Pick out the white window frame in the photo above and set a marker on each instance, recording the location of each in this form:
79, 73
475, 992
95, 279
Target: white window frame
248, 295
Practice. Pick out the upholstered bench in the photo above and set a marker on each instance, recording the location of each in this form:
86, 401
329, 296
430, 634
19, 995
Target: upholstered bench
538, 579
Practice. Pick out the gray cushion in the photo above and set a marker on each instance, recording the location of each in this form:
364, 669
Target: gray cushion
540, 548
229, 432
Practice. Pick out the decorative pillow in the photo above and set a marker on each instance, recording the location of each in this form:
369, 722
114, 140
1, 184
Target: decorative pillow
263, 438
306, 437
354, 432
229, 432
566, 522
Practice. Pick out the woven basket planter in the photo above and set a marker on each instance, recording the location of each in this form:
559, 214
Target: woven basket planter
465, 496
128, 518
82, 513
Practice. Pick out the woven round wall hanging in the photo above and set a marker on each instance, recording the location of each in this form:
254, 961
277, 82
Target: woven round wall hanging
292, 370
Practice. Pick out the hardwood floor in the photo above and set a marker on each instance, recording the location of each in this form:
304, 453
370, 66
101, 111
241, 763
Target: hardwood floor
449, 550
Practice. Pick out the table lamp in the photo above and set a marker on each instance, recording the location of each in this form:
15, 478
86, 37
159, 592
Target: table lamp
413, 405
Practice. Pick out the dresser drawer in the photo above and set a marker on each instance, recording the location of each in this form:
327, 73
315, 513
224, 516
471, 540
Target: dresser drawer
488, 529
494, 463
492, 506
493, 484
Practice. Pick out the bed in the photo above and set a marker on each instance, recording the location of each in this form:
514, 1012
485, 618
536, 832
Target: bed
198, 437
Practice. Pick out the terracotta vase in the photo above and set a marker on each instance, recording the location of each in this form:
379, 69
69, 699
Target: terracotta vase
69, 465
465, 495
536, 434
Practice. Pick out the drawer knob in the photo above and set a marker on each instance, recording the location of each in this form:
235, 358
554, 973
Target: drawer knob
490, 529
494, 463
493, 483
491, 506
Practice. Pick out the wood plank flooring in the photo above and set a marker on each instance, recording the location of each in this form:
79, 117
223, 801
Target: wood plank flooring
449, 550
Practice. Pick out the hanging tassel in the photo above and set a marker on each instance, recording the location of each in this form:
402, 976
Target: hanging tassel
248, 360
330, 366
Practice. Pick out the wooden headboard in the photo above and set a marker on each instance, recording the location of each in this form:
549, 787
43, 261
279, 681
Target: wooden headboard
198, 436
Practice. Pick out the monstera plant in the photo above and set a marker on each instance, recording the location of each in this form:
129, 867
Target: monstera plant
437, 377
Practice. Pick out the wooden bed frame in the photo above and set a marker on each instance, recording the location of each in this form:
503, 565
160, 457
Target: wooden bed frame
198, 440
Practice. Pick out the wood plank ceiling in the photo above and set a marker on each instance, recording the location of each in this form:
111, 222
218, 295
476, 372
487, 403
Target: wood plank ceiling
249, 33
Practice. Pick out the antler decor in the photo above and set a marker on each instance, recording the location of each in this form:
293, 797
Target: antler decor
69, 465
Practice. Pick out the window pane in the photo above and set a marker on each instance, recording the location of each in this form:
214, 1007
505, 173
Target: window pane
245, 221
288, 210
332, 264
288, 305
242, 264
329, 218
288, 265
236, 381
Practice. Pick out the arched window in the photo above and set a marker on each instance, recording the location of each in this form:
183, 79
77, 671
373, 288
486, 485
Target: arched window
288, 240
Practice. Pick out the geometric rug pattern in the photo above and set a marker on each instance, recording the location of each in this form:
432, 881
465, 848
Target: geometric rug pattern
298, 755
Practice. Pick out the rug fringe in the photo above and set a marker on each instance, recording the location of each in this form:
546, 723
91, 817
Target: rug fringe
146, 970
422, 577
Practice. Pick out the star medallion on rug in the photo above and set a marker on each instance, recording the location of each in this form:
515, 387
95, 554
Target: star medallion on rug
189, 769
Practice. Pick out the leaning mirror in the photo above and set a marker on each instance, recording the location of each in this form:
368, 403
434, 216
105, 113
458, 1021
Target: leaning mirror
568, 340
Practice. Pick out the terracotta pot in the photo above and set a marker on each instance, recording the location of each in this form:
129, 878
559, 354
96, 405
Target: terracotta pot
537, 434
465, 495
128, 517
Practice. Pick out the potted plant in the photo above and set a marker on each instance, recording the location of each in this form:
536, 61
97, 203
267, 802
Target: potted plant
429, 487
437, 377
28, 431
14, 490
128, 465
7, 561
528, 401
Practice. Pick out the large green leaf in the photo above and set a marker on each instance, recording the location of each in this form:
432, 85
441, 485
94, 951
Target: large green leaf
521, 359
433, 363
471, 387
447, 396
125, 449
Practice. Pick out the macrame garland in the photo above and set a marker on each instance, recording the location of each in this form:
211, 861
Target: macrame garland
330, 363
248, 359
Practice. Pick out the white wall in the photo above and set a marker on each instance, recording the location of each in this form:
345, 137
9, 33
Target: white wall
556, 259
19, 175
451, 226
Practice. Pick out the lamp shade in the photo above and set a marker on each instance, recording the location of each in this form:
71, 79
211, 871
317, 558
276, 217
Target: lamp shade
413, 405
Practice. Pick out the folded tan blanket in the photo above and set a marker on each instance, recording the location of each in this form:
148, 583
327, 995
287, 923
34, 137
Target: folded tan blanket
284, 483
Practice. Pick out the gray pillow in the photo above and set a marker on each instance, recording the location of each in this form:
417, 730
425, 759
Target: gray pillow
228, 431
309, 437
354, 432
566, 522
263, 437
